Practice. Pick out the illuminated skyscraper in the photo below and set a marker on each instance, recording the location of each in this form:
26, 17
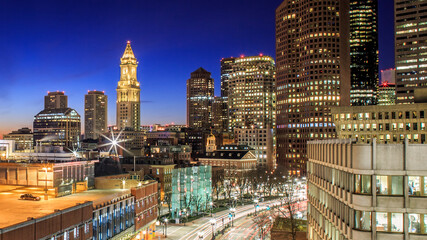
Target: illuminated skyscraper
226, 71
57, 125
313, 74
251, 90
411, 48
55, 100
364, 52
220, 114
387, 94
95, 114
128, 93
200, 96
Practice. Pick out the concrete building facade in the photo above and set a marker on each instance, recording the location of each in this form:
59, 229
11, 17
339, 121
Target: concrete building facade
366, 191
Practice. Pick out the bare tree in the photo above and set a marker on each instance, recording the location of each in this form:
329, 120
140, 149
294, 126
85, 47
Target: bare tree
218, 177
290, 203
168, 200
262, 221
198, 202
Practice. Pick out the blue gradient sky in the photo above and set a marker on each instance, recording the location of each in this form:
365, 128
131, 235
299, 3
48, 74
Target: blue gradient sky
75, 46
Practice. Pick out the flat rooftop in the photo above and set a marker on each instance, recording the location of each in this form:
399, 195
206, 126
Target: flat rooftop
15, 210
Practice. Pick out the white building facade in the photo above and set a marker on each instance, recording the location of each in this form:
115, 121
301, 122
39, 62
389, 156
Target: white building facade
366, 191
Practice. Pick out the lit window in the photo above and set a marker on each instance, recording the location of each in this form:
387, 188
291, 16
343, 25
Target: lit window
362, 220
389, 185
389, 222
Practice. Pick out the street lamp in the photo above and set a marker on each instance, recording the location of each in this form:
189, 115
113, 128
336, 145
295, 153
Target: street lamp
212, 221
166, 227
46, 197
256, 204
232, 210
211, 204
185, 214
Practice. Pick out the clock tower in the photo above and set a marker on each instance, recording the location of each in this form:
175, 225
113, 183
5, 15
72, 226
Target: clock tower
128, 93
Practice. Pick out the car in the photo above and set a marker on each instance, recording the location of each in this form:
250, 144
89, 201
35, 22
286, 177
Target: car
29, 196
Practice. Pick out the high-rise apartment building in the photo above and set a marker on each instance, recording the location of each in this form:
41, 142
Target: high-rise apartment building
200, 96
128, 93
364, 52
410, 48
313, 74
95, 114
251, 89
55, 100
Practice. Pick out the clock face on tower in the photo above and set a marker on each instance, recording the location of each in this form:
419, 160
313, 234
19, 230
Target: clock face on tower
128, 93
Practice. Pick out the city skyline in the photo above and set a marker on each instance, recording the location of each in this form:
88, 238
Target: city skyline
90, 62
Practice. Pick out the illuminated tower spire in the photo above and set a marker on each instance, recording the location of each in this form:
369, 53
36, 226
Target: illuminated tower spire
128, 93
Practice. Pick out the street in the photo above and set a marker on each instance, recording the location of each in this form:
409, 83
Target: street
244, 227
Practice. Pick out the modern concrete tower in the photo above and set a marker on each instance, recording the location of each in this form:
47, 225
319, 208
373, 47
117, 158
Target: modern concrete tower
95, 114
410, 51
55, 100
313, 74
128, 93
200, 96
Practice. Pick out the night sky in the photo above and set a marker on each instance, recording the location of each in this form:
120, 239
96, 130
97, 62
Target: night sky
75, 46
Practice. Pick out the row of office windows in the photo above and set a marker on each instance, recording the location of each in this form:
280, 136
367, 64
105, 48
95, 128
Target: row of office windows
390, 222
362, 184
329, 228
384, 127
381, 115
391, 185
